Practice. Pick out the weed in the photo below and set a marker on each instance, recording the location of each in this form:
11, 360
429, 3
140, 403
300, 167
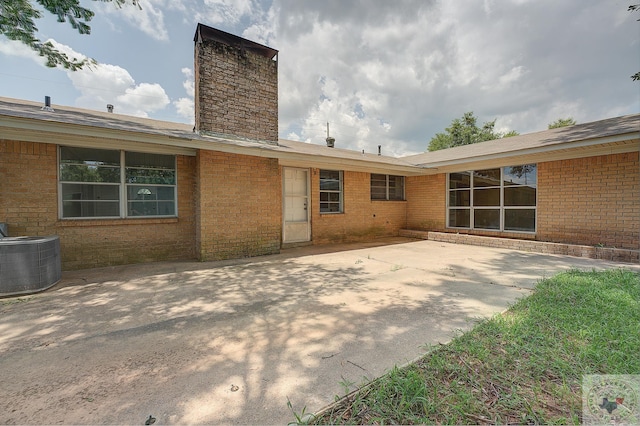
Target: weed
346, 385
15, 301
303, 418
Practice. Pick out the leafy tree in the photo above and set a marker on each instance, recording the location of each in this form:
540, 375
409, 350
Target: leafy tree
562, 122
465, 131
632, 8
17, 22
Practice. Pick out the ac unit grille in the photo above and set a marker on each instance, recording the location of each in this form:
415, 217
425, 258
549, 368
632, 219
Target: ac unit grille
29, 264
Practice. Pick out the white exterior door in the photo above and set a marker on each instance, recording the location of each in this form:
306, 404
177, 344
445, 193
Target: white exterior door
296, 226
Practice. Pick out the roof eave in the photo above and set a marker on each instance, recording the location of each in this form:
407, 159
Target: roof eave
33, 130
569, 148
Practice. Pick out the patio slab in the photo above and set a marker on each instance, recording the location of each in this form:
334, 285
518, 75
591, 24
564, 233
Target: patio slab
231, 342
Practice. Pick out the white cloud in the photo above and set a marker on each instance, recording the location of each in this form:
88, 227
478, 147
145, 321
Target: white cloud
188, 83
103, 84
185, 105
417, 65
16, 48
148, 17
228, 12
184, 108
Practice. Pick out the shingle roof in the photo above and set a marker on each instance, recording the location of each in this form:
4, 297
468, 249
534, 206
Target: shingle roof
183, 135
547, 140
623, 131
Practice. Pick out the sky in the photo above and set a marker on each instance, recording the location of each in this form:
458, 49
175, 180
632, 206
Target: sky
380, 72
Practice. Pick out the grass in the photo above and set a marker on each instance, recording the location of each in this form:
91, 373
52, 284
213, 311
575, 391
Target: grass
524, 366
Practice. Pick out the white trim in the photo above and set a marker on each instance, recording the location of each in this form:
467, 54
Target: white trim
122, 189
307, 201
501, 207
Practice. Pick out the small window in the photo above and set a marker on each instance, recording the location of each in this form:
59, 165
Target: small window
100, 183
387, 187
330, 191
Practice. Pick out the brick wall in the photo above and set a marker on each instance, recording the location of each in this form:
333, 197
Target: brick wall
605, 253
236, 91
592, 201
587, 201
362, 218
28, 187
29, 204
239, 206
426, 202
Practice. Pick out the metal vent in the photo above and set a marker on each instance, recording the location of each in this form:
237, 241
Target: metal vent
29, 264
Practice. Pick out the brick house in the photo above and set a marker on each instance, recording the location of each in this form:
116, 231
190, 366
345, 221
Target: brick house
119, 189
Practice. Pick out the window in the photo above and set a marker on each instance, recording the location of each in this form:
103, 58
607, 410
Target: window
387, 187
330, 191
501, 199
100, 183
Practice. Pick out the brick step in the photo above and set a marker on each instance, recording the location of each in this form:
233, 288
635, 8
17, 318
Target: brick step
593, 252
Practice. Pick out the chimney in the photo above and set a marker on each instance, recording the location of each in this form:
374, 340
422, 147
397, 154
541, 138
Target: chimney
236, 86
379, 149
109, 108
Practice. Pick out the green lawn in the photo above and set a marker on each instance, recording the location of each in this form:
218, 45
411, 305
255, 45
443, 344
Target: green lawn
524, 366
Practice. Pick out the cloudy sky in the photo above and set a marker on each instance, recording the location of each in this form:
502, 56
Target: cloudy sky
381, 72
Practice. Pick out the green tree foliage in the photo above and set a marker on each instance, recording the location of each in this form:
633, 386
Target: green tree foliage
632, 8
17, 22
465, 131
562, 122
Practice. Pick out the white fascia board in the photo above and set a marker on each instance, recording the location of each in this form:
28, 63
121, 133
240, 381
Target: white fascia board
30, 130
335, 163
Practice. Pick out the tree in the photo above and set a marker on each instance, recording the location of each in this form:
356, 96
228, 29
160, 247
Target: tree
562, 122
632, 8
17, 22
465, 131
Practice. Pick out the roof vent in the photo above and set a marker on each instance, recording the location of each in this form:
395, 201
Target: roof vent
47, 104
379, 149
109, 108
330, 141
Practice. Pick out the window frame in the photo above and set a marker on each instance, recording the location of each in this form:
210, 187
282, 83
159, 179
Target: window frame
123, 186
386, 187
468, 203
339, 191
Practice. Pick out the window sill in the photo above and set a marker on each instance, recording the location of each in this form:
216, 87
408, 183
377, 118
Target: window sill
115, 222
492, 232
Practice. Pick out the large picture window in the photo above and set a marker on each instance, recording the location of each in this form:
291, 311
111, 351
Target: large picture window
502, 199
100, 183
387, 187
330, 191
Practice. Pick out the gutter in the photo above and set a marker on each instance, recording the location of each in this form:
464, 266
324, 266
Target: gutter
181, 143
624, 141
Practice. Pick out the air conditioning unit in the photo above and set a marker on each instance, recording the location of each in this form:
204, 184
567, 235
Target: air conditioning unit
29, 264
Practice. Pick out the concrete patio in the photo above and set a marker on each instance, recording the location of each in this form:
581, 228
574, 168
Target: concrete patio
231, 342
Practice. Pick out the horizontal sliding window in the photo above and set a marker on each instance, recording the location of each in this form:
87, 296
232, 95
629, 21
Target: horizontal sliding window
99, 183
502, 199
